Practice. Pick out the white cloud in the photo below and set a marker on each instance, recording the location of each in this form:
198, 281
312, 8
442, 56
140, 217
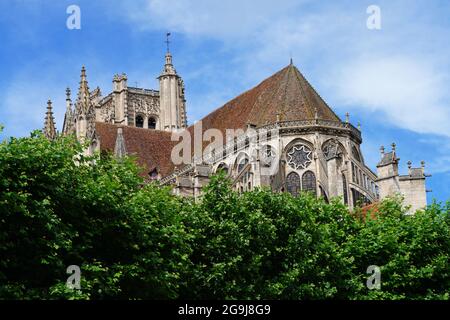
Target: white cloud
231, 19
401, 77
410, 92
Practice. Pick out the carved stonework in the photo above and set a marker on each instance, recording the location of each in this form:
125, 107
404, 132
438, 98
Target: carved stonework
332, 149
107, 111
143, 104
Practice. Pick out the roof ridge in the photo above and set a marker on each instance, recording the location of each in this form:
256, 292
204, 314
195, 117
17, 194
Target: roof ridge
283, 111
304, 93
315, 92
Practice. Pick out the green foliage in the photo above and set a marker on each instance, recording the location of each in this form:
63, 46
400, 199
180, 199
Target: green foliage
139, 241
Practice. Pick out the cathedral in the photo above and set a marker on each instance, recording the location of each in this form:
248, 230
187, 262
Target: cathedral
301, 145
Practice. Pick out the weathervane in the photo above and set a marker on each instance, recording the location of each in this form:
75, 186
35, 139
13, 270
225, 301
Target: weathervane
167, 40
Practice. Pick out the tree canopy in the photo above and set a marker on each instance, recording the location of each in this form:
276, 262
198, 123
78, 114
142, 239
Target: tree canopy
134, 240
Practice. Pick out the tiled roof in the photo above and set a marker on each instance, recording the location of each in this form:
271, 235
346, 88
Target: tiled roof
286, 93
152, 147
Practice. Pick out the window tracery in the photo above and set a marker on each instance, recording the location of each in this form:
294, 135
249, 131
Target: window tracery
299, 157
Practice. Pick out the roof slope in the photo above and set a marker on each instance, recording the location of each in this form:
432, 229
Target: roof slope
152, 147
286, 93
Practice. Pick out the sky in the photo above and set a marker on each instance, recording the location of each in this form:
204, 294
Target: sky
394, 81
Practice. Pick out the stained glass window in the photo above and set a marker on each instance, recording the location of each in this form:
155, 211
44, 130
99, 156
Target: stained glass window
299, 157
242, 164
309, 182
293, 183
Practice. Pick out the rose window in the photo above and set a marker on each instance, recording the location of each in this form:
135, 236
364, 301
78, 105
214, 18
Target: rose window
299, 157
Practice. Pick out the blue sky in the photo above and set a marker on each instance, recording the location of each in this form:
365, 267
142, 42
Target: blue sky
394, 81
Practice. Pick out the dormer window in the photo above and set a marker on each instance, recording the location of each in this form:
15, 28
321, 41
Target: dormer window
153, 174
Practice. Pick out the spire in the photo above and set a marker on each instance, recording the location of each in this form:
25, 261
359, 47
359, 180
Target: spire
168, 67
120, 150
83, 99
49, 125
68, 102
68, 124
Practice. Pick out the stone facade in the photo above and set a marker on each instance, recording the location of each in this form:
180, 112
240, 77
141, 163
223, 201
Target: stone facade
289, 140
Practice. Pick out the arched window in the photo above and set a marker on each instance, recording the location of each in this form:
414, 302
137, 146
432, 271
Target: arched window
139, 121
222, 167
344, 185
293, 183
151, 123
309, 182
242, 164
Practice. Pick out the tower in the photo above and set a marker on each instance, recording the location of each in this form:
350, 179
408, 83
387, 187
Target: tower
172, 100
411, 186
388, 173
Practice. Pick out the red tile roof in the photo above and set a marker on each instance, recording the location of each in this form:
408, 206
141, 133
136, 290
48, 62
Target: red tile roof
286, 93
152, 147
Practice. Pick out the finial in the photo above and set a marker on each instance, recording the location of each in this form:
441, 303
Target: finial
409, 164
291, 62
382, 150
67, 93
393, 146
422, 163
347, 117
49, 104
359, 126
83, 73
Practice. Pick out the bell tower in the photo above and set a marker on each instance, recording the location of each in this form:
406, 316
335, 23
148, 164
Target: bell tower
171, 94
